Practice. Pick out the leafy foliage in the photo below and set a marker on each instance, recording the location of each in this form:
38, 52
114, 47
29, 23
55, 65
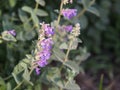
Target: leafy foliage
100, 34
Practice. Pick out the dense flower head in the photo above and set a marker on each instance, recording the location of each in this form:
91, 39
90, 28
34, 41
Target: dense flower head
44, 46
49, 31
69, 13
46, 43
12, 32
76, 30
68, 28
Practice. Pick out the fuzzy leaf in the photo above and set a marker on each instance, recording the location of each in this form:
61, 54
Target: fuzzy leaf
71, 85
94, 11
75, 44
9, 87
41, 2
35, 19
63, 46
22, 15
26, 76
72, 65
54, 76
79, 40
86, 3
2, 84
20, 36
40, 12
27, 9
12, 3
59, 54
29, 56
29, 35
8, 37
17, 79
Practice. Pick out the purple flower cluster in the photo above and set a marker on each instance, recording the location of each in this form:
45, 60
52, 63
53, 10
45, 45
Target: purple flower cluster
68, 28
45, 43
12, 32
69, 13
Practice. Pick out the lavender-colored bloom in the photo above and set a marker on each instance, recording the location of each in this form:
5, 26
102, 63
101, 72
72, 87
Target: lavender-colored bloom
49, 31
68, 28
42, 63
12, 32
69, 13
44, 43
37, 69
47, 43
44, 55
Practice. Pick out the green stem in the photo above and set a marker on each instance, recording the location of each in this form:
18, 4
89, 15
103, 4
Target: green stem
68, 51
101, 82
59, 16
8, 77
18, 85
81, 13
84, 9
36, 7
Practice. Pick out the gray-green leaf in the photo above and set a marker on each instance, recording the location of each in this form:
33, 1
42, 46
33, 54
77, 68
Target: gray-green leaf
41, 2
63, 46
72, 65
94, 11
22, 15
27, 9
8, 37
71, 85
40, 12
2, 84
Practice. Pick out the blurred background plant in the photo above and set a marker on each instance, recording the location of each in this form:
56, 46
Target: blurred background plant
100, 27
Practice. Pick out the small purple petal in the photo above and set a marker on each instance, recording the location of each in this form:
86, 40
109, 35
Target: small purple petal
49, 31
69, 13
12, 32
68, 28
42, 63
37, 70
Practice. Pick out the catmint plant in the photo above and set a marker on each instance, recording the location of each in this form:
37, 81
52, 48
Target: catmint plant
54, 42
44, 46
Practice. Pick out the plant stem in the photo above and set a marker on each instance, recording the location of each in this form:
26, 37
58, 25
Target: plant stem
18, 85
66, 57
101, 82
59, 16
81, 13
36, 7
84, 9
8, 77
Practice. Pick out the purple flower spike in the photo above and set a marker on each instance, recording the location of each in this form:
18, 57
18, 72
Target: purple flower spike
68, 28
12, 32
44, 45
69, 13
